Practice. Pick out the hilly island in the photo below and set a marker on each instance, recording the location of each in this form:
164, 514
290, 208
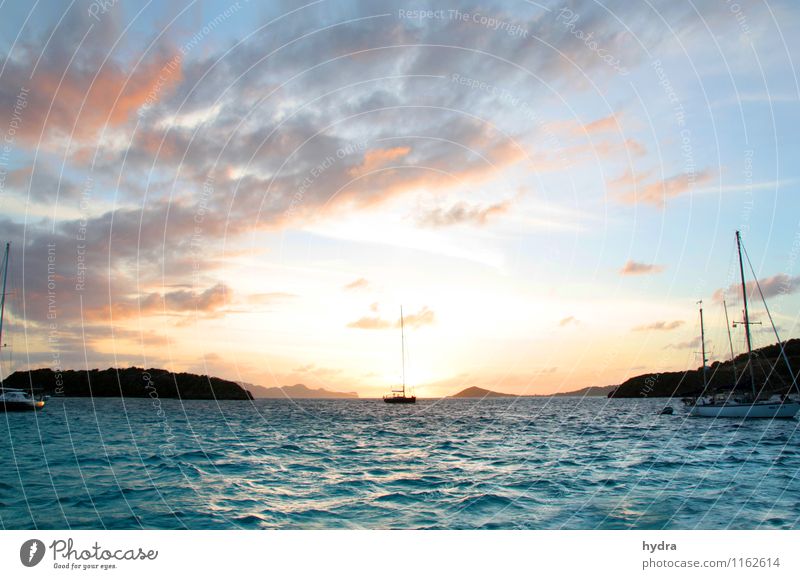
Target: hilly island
477, 392
767, 361
129, 383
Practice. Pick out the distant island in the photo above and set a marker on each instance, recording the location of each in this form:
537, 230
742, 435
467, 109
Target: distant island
476, 392
296, 391
128, 382
720, 375
141, 383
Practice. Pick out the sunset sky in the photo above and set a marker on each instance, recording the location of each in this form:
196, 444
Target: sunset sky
252, 190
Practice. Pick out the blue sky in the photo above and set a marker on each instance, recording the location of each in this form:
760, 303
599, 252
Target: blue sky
547, 188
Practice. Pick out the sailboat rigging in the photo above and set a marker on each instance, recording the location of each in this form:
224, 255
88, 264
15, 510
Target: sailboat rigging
399, 396
13, 399
730, 341
750, 404
703, 347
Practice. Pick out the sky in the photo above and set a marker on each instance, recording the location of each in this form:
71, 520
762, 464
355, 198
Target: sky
254, 190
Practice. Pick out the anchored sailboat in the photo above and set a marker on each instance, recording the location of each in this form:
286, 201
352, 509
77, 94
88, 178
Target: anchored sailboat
12, 399
399, 396
750, 404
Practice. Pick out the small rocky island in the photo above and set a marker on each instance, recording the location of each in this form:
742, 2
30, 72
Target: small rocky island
476, 392
128, 383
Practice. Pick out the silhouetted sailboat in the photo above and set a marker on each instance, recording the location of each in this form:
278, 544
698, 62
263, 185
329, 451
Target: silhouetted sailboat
12, 399
750, 404
399, 396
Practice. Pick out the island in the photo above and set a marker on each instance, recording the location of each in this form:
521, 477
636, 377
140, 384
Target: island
129, 383
721, 375
476, 392
297, 391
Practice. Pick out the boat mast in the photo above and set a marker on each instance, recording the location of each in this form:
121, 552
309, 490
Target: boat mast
703, 347
3, 295
746, 317
730, 341
403, 348
774, 327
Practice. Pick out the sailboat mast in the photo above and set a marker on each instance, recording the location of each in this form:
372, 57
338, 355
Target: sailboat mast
3, 296
746, 317
403, 348
730, 341
703, 347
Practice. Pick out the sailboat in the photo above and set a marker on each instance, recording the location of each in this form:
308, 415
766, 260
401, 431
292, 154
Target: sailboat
13, 399
399, 396
750, 404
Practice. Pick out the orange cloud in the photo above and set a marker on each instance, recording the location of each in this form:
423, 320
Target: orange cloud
360, 283
208, 303
635, 148
609, 123
85, 100
376, 158
638, 268
424, 317
435, 175
573, 127
630, 189
370, 323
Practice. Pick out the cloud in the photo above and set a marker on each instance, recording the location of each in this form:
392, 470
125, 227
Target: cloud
604, 124
358, 284
317, 371
42, 185
567, 321
272, 154
424, 317
693, 343
460, 213
370, 323
376, 158
638, 268
635, 148
208, 303
235, 140
268, 298
632, 188
777, 285
75, 92
659, 326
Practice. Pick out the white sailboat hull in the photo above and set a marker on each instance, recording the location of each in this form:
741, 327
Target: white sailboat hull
757, 410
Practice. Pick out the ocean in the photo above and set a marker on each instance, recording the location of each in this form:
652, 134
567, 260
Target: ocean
527, 463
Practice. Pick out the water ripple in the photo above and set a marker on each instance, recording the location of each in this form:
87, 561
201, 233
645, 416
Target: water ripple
453, 464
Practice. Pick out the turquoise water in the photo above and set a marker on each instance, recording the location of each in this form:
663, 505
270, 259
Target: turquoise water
462, 464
